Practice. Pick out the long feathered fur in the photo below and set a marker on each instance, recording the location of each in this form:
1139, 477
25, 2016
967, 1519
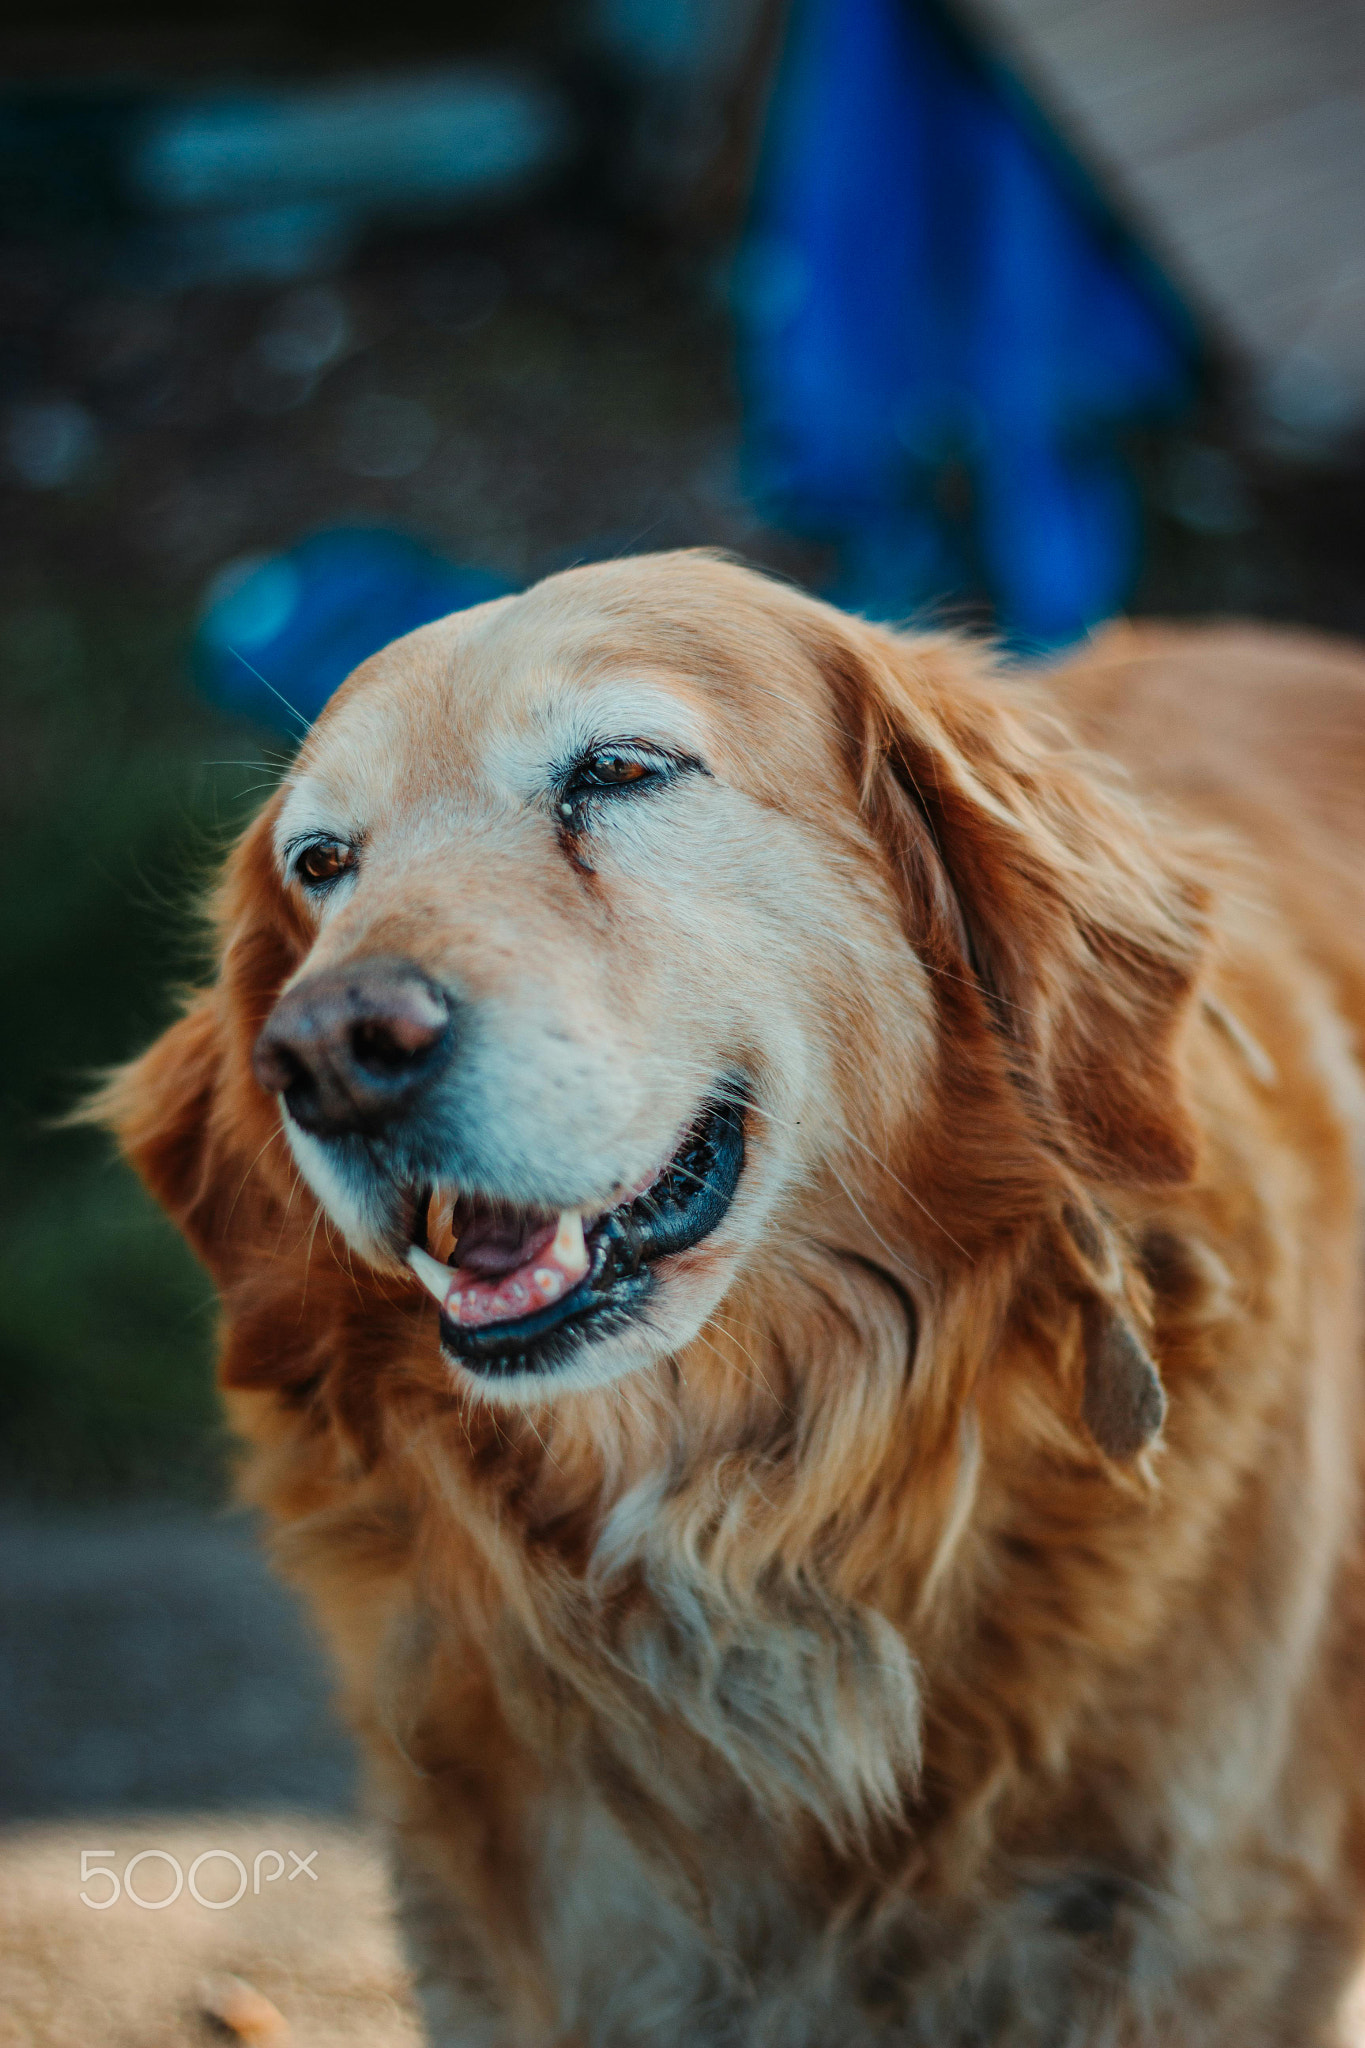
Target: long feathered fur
955, 1641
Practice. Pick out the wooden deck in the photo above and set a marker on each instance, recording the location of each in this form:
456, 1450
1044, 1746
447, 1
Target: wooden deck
1232, 132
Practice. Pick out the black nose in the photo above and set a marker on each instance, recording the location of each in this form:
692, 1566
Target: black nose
351, 1048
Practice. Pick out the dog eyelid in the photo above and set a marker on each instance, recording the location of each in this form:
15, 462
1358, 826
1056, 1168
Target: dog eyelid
619, 767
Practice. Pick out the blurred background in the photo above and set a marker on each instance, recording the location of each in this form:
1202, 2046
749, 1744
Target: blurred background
318, 322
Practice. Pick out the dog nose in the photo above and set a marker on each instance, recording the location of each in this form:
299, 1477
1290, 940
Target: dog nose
351, 1048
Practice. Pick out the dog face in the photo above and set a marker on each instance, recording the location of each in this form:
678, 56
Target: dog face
616, 941
583, 961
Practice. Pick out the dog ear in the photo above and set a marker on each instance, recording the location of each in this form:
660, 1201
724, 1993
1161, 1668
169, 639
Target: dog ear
189, 1114
1033, 880
160, 1108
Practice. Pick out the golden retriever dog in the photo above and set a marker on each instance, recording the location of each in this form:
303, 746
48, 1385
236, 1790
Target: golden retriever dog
787, 1205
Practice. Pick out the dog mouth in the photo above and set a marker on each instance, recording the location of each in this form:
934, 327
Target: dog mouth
521, 1290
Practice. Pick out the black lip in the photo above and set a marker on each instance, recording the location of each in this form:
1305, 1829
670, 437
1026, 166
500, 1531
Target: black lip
682, 1207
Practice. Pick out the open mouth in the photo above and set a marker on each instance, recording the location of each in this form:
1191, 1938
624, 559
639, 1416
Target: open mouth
521, 1290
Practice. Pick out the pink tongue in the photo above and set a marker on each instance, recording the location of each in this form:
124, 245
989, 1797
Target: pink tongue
495, 1245
500, 1274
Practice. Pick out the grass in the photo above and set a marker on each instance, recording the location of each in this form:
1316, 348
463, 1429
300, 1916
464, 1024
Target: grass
115, 820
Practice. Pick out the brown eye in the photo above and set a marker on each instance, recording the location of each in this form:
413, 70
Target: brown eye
616, 769
608, 769
326, 860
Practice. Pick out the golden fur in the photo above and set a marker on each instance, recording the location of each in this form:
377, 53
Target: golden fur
950, 1631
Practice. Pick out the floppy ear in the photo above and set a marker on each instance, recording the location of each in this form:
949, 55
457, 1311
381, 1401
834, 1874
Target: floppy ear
189, 1113
1043, 901
207, 1141
160, 1108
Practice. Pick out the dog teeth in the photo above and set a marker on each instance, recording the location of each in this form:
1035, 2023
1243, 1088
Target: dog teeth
568, 1246
501, 1298
441, 1233
435, 1277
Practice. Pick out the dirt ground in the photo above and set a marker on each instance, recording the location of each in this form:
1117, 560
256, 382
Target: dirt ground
317, 1942
160, 1692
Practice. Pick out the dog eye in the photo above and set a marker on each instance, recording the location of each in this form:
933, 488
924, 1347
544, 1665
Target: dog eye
604, 771
323, 863
611, 770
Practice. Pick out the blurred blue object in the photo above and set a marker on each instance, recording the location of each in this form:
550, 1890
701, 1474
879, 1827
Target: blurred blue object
934, 308
423, 137
278, 633
278, 183
261, 182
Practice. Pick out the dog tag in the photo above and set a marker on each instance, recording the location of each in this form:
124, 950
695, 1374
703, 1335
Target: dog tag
1124, 1404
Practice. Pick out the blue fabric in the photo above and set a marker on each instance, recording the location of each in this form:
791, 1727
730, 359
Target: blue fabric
286, 630
923, 288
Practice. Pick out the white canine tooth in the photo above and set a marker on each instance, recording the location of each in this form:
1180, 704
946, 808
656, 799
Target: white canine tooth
435, 1277
568, 1246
